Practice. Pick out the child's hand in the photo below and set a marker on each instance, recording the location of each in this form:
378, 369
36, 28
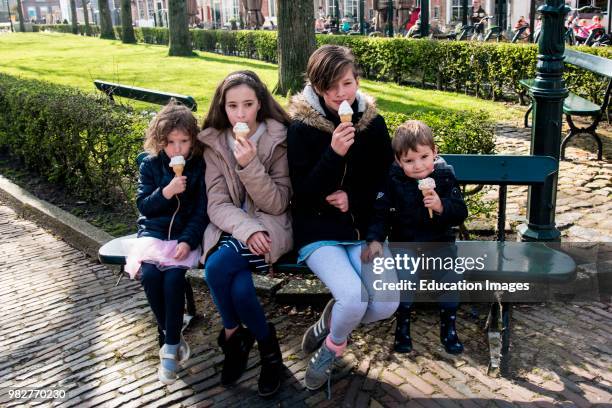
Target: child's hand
244, 151
371, 251
433, 201
338, 199
342, 138
259, 243
182, 250
176, 186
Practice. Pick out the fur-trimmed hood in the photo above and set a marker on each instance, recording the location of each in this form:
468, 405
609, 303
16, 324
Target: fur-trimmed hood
305, 107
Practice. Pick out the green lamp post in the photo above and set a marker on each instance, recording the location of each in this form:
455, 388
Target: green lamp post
547, 94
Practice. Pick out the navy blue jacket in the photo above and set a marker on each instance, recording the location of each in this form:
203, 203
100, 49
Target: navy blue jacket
156, 211
400, 215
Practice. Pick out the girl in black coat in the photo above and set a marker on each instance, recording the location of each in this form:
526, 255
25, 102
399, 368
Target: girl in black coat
172, 206
336, 169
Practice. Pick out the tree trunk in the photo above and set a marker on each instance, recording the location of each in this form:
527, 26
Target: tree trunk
20, 14
126, 23
73, 17
106, 23
179, 36
296, 41
86, 17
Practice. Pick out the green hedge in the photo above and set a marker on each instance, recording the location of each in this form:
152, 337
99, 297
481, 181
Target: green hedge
65, 28
74, 139
83, 142
488, 70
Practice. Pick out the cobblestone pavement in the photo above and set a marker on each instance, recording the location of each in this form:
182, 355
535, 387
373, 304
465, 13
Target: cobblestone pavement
584, 204
63, 323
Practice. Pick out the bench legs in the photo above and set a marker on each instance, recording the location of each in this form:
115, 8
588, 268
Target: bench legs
527, 115
574, 130
191, 308
498, 331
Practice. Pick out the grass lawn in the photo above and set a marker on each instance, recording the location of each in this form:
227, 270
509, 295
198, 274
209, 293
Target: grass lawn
77, 61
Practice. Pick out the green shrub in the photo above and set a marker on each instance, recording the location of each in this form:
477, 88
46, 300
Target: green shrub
488, 70
456, 133
74, 139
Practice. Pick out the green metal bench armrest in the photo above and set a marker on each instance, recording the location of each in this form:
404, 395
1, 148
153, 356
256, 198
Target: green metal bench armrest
143, 94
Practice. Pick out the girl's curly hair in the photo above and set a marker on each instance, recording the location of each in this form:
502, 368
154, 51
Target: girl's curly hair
173, 116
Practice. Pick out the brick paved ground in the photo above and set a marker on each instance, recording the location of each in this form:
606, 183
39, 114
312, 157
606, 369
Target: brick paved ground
63, 323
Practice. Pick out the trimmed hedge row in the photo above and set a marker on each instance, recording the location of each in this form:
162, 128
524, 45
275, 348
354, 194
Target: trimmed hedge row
84, 143
488, 70
74, 139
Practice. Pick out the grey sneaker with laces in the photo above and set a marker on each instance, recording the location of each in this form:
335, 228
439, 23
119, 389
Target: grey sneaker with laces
319, 370
314, 336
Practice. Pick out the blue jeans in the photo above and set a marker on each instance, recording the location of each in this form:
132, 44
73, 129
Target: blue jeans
229, 279
165, 292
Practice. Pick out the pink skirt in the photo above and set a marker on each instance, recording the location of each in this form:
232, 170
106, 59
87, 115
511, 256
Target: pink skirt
156, 251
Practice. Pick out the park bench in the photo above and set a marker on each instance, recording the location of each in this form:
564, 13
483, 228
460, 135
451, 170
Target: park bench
575, 105
142, 94
517, 261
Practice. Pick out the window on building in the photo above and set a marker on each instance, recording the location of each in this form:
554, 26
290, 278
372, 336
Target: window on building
455, 14
272, 8
351, 8
436, 12
331, 8
231, 11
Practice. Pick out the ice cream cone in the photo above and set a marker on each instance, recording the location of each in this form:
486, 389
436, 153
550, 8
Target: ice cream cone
241, 135
425, 194
241, 130
178, 169
346, 118
427, 186
178, 165
345, 112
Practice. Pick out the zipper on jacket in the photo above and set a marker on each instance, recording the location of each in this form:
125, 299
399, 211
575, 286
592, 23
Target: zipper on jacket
350, 213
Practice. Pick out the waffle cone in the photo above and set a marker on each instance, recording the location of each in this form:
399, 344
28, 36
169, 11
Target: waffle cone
178, 169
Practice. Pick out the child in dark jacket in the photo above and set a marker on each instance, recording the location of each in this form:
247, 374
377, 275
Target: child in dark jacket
405, 213
171, 199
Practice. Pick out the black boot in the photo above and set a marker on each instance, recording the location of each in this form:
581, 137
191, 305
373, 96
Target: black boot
271, 364
403, 342
236, 350
448, 333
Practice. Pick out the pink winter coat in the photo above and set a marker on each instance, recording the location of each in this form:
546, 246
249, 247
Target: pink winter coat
264, 183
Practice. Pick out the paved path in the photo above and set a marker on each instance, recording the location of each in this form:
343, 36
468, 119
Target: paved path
64, 324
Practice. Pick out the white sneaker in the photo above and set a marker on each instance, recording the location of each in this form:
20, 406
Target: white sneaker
183, 351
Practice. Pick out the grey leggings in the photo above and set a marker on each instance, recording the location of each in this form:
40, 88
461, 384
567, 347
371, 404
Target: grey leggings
339, 268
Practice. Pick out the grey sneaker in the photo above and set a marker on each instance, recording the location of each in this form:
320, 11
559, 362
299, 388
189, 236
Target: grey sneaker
183, 351
319, 370
314, 336
165, 375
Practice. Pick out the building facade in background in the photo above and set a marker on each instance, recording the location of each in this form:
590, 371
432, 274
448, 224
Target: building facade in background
444, 14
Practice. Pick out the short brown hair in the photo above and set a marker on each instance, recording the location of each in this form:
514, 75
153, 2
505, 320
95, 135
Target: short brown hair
173, 116
411, 134
327, 64
269, 108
